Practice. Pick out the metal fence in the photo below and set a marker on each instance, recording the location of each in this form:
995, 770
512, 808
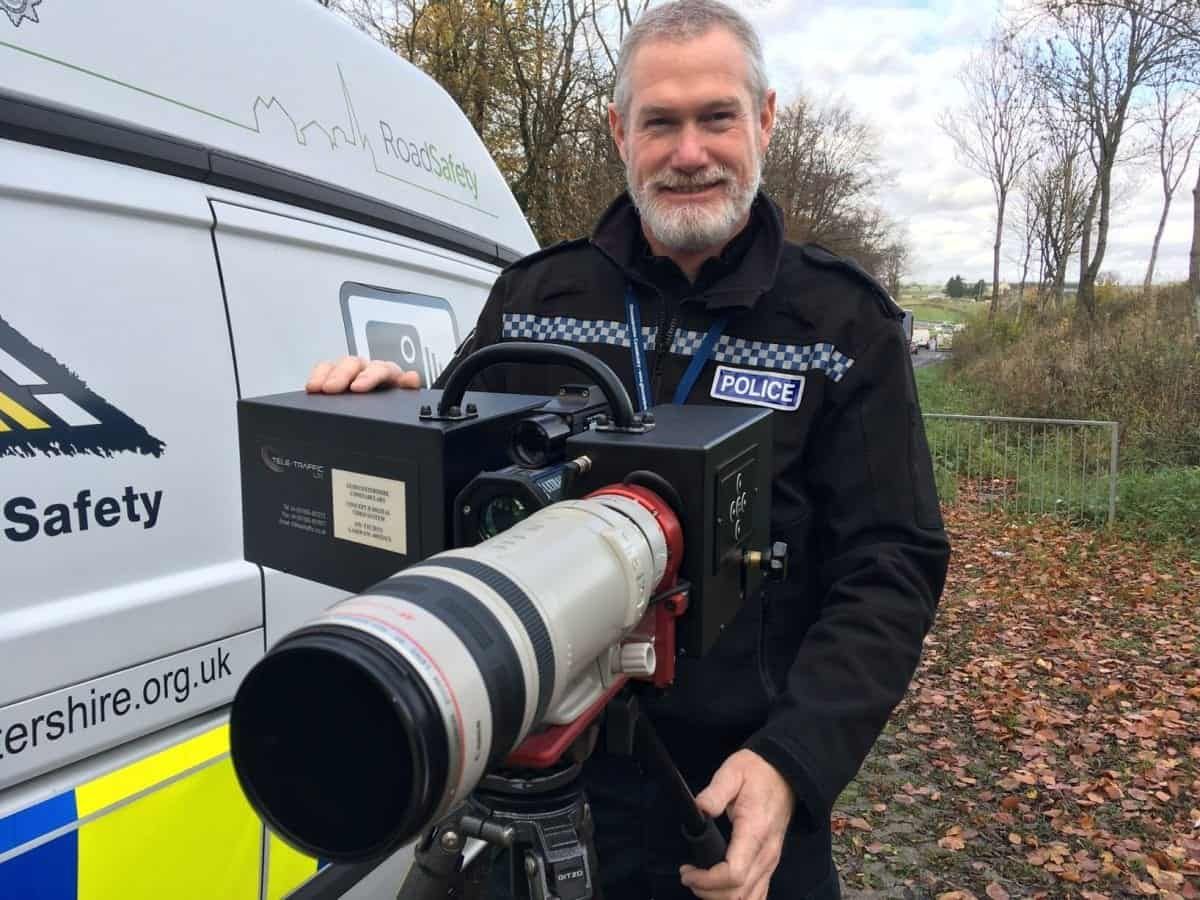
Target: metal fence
1063, 467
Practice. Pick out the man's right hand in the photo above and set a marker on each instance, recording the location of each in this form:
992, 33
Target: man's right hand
358, 375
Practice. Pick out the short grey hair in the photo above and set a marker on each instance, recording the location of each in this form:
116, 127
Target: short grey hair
685, 20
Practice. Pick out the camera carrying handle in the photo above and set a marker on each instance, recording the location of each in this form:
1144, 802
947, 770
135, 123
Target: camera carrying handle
543, 354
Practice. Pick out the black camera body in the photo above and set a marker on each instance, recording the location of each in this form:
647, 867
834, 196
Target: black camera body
514, 562
348, 490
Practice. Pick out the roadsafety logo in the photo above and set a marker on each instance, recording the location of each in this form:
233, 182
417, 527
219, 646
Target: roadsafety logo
45, 408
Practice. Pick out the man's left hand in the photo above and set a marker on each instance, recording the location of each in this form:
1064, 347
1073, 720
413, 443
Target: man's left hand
759, 804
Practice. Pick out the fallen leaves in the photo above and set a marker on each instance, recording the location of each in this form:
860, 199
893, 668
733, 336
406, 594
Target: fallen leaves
1049, 739
953, 839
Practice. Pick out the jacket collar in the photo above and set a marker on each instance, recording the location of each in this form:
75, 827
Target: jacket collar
744, 271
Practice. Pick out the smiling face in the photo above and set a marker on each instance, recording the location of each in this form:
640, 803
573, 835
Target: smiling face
692, 141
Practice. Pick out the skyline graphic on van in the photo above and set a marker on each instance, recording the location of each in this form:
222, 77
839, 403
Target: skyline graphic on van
46, 408
20, 10
270, 116
398, 149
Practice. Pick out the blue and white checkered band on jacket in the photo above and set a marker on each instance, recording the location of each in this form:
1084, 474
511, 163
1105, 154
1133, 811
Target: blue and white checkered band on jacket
731, 351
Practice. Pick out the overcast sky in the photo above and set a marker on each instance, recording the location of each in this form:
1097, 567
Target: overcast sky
896, 64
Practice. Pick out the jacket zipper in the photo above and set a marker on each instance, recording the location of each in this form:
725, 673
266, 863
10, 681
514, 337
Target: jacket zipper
666, 337
764, 669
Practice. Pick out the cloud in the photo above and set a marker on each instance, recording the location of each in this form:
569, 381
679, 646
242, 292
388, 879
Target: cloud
896, 63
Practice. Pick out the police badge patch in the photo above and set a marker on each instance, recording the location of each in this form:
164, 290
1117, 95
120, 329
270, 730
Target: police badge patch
20, 10
775, 390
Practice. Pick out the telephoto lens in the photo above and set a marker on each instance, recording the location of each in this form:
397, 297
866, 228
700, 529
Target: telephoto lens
357, 732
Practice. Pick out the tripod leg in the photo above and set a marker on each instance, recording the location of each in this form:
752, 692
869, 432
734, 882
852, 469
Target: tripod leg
587, 832
477, 875
436, 870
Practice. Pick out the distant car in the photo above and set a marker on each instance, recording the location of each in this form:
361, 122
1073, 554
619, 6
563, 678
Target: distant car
920, 339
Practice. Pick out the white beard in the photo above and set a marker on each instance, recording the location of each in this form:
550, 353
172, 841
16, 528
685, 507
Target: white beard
691, 228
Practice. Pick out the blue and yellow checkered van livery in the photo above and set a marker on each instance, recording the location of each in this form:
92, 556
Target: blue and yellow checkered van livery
174, 824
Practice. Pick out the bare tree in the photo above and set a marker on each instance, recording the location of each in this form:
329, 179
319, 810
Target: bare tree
625, 12
1061, 187
456, 42
1023, 226
1176, 130
544, 41
824, 170
1100, 59
895, 262
994, 132
1194, 261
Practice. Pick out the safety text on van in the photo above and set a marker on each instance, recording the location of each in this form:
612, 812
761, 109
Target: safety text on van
25, 518
43, 733
426, 156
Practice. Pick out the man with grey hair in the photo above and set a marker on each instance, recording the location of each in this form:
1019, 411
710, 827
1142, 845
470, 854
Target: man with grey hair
692, 267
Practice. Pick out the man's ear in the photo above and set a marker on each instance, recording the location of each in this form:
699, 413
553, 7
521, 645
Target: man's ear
766, 120
616, 127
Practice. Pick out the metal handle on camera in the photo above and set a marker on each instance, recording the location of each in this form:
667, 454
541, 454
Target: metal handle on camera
544, 354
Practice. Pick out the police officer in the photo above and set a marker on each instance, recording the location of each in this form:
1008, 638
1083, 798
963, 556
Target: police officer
692, 264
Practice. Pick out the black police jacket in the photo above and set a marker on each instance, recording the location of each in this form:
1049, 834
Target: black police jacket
808, 675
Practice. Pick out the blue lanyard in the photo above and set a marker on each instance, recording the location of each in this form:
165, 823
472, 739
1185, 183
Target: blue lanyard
641, 378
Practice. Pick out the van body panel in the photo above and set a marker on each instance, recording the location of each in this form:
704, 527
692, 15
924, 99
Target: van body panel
315, 97
192, 212
161, 817
57, 728
119, 513
295, 286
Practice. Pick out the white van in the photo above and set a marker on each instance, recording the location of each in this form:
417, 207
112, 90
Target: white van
197, 200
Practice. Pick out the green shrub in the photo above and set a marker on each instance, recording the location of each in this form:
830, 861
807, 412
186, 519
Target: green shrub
1137, 365
1162, 505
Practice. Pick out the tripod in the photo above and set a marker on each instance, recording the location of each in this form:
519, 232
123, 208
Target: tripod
543, 819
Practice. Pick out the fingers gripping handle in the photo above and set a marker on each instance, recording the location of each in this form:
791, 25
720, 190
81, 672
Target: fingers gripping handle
707, 845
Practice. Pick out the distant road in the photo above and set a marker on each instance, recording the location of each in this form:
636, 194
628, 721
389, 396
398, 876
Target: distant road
928, 357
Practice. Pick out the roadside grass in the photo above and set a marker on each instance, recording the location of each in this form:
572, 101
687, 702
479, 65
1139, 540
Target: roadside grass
1162, 506
925, 311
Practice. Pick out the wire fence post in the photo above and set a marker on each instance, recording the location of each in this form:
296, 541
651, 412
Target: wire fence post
1112, 474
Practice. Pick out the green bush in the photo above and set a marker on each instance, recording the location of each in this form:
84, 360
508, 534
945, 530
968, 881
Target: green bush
1137, 364
1162, 505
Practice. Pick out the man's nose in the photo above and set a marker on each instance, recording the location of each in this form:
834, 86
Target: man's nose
691, 152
